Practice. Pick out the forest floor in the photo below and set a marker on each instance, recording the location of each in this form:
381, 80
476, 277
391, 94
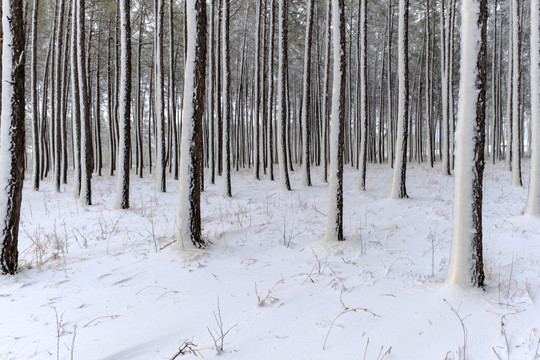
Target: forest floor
99, 283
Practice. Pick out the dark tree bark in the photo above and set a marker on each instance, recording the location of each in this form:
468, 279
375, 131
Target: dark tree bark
226, 100
335, 211
306, 99
86, 128
124, 115
161, 163
466, 264
282, 102
12, 132
400, 166
189, 220
35, 112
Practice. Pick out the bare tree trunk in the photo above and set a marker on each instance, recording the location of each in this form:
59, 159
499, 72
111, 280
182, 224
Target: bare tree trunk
282, 99
226, 100
35, 111
12, 132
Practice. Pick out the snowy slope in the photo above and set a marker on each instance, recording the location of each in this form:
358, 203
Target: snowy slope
283, 292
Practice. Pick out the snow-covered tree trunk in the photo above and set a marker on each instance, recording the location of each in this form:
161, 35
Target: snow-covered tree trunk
212, 81
58, 96
337, 121
428, 91
12, 133
75, 104
363, 95
516, 99
257, 96
326, 90
225, 95
270, 102
86, 129
172, 94
189, 217
124, 111
161, 166
282, 98
306, 99
533, 204
509, 92
400, 164
34, 94
466, 260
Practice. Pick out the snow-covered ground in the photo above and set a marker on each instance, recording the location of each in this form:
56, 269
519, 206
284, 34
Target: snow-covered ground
99, 283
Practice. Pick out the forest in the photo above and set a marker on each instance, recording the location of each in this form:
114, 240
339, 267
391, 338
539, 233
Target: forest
270, 178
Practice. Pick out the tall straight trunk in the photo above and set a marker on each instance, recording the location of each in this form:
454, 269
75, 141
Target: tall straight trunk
533, 202
211, 98
161, 166
494, 87
139, 103
172, 94
400, 165
98, 150
428, 96
75, 104
58, 95
219, 71
466, 261
12, 133
256, 95
270, 100
35, 111
326, 89
516, 88
389, 92
189, 218
44, 146
226, 89
335, 207
363, 94
509, 91
307, 118
86, 129
124, 114
282, 99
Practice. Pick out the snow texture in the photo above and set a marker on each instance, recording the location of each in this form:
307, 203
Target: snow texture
461, 255
98, 267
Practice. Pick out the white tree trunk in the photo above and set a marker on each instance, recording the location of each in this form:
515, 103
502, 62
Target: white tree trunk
533, 204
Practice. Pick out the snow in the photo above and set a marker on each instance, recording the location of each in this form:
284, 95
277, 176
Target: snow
98, 268
533, 206
459, 272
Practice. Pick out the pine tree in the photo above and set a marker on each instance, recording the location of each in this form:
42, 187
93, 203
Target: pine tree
124, 113
189, 218
337, 121
282, 98
533, 204
466, 262
400, 165
12, 133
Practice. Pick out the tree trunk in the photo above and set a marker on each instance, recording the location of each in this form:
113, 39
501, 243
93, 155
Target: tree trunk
533, 203
86, 129
124, 114
35, 111
307, 118
226, 89
12, 132
400, 165
282, 99
161, 165
335, 210
466, 261
189, 218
